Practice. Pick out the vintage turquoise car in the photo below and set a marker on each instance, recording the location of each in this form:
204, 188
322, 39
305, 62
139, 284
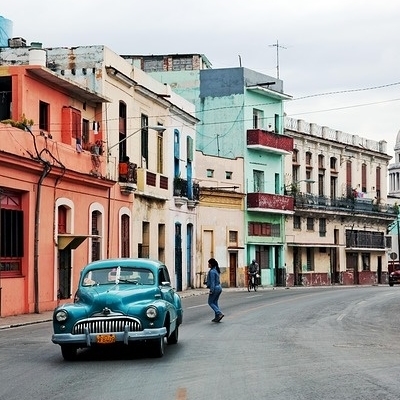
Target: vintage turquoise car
120, 301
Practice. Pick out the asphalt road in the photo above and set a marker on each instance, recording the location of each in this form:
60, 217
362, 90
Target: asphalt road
299, 343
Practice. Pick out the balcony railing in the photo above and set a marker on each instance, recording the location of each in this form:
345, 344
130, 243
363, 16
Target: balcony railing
127, 172
260, 139
183, 188
304, 200
270, 201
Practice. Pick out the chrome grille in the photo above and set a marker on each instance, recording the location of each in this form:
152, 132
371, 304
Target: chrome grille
107, 325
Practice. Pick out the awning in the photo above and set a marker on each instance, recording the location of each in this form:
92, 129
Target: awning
72, 241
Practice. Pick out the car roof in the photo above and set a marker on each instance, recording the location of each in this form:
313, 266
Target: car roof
125, 262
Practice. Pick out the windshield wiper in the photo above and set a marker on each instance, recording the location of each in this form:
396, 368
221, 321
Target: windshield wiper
134, 281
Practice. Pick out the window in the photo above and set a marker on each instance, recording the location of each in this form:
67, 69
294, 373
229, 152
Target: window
85, 133
264, 229
365, 261
378, 182
145, 140
364, 178
308, 158
125, 242
333, 163
258, 177
228, 174
210, 173
295, 173
321, 161
322, 227
76, 124
161, 242
310, 224
233, 238
309, 181
295, 156
258, 116
144, 247
182, 64
44, 116
160, 152
177, 153
296, 222
96, 243
153, 64
122, 153
321, 183
12, 233
277, 125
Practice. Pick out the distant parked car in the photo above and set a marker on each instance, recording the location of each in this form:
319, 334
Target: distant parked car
394, 277
120, 301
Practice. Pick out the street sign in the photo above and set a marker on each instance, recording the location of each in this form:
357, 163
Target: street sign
393, 255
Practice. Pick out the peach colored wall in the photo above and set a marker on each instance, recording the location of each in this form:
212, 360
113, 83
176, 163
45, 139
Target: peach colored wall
70, 178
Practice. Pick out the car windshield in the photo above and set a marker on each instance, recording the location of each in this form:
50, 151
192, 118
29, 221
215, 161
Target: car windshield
119, 275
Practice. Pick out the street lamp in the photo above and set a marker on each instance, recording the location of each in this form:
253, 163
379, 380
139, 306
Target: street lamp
158, 128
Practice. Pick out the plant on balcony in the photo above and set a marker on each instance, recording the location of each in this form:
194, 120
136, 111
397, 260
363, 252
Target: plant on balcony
180, 187
291, 189
22, 123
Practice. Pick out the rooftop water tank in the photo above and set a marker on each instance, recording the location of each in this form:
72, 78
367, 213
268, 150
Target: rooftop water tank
37, 56
6, 27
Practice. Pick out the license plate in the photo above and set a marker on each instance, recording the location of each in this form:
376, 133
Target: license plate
105, 339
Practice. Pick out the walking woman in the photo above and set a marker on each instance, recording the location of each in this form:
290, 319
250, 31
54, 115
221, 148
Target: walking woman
214, 284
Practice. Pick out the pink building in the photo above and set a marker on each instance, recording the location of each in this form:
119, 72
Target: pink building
58, 209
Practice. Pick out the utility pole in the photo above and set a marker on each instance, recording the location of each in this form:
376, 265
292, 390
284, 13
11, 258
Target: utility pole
277, 56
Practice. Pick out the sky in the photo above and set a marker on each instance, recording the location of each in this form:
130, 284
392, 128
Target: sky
339, 60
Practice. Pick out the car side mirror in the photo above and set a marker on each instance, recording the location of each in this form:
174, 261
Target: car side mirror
165, 283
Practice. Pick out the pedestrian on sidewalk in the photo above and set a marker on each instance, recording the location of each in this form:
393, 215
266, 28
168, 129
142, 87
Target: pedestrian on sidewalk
214, 284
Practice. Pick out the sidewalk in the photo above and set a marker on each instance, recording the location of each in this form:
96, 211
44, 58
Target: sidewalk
45, 316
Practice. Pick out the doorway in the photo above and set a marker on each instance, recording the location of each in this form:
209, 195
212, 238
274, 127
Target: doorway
232, 269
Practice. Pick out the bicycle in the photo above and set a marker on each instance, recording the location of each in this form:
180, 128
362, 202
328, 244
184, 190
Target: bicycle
252, 283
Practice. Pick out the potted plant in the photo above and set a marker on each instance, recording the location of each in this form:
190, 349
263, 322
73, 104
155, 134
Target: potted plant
23, 123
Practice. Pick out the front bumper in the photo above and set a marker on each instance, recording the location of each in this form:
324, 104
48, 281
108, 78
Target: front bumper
88, 339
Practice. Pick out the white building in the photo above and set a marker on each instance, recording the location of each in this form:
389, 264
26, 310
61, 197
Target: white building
337, 233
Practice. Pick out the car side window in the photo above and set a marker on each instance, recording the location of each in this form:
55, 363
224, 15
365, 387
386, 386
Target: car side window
166, 275
163, 276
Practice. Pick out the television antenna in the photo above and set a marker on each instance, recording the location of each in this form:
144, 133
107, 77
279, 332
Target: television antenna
278, 46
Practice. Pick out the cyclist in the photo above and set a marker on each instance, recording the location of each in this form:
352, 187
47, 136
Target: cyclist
253, 271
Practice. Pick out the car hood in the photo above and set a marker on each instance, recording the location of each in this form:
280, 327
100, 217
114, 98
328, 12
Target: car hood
118, 297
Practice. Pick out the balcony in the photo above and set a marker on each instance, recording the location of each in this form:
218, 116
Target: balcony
273, 203
151, 184
185, 193
259, 139
305, 201
127, 177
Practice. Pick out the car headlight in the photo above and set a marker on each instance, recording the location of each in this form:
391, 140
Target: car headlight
61, 315
151, 312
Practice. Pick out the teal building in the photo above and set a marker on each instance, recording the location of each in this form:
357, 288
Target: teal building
241, 115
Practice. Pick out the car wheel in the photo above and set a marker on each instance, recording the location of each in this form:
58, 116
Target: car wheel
69, 352
390, 283
173, 337
157, 347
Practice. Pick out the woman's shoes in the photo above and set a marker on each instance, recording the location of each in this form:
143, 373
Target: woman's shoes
218, 318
